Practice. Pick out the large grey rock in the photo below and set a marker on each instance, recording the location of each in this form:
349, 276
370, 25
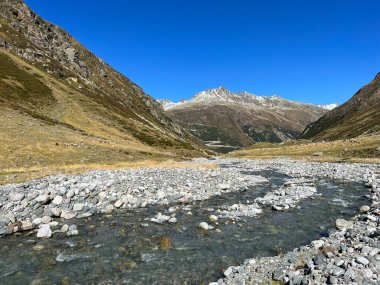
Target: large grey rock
118, 203
58, 200
44, 231
5, 230
65, 228
342, 224
338, 271
70, 193
43, 199
7, 218
56, 212
26, 225
78, 207
204, 226
17, 197
362, 260
364, 209
67, 215
224, 186
45, 219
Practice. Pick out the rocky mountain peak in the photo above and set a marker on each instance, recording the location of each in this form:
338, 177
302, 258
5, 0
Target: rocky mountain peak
216, 94
222, 96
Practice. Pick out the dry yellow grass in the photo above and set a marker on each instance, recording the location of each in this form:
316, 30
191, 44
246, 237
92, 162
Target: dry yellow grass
361, 149
29, 151
71, 134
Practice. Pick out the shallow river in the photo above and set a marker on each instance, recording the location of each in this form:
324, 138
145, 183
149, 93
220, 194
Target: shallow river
126, 248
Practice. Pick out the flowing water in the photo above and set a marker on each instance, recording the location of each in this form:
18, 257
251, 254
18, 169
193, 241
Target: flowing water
123, 249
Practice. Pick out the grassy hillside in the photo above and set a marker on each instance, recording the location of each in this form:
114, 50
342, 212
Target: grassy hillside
360, 115
63, 108
47, 126
361, 149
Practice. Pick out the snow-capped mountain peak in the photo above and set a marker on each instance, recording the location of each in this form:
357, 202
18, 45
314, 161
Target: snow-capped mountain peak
222, 96
167, 104
219, 94
329, 106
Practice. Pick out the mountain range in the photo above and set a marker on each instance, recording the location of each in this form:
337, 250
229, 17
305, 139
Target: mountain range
224, 120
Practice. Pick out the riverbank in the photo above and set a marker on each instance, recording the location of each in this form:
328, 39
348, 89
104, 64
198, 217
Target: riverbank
45, 208
363, 149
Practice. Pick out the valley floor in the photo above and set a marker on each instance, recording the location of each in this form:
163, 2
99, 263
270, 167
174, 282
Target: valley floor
174, 200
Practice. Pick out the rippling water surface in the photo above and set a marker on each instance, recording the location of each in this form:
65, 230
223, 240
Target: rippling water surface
118, 249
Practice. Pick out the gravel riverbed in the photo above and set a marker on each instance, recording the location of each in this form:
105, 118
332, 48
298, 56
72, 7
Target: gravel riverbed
350, 255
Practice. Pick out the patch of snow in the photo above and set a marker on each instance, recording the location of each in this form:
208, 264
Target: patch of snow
222, 96
167, 104
329, 106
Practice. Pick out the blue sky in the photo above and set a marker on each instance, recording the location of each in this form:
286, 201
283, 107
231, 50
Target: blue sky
317, 51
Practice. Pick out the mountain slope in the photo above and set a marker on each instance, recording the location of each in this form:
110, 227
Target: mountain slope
359, 115
54, 92
226, 120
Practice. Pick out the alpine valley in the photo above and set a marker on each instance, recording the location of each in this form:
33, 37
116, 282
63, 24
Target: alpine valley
102, 184
225, 121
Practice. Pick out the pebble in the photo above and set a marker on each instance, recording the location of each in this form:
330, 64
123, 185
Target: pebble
172, 220
118, 203
229, 271
317, 244
56, 212
338, 271
44, 231
43, 199
37, 221
45, 219
17, 197
58, 200
204, 226
70, 193
26, 225
38, 247
364, 209
78, 207
224, 186
65, 228
213, 218
67, 215
362, 260
342, 224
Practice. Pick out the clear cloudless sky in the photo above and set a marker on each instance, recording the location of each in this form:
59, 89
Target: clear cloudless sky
316, 51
